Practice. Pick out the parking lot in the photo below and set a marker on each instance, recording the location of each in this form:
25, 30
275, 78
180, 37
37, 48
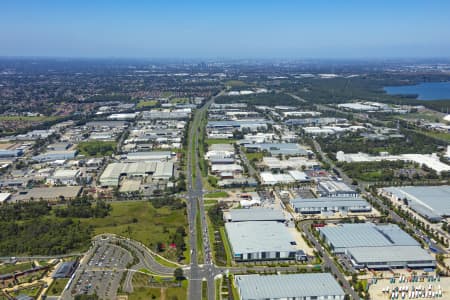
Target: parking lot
102, 273
408, 286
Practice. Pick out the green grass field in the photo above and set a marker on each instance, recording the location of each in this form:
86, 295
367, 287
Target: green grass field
146, 103
220, 141
97, 148
252, 156
221, 194
140, 221
142, 290
438, 135
235, 83
179, 100
6, 269
227, 247
57, 287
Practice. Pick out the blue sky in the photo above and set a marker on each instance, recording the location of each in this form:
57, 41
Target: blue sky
225, 29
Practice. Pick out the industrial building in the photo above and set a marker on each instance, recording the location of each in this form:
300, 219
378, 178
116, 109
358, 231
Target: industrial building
66, 269
156, 169
65, 177
432, 202
287, 149
376, 246
254, 214
4, 197
48, 193
330, 205
261, 240
288, 286
55, 155
328, 188
149, 156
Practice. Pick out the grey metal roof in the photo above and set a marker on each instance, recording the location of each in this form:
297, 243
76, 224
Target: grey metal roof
259, 236
429, 201
388, 254
328, 202
286, 286
366, 235
280, 148
256, 214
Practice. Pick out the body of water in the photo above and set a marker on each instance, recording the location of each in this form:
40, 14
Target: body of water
424, 91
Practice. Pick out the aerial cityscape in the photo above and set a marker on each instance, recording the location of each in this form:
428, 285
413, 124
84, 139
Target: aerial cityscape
220, 159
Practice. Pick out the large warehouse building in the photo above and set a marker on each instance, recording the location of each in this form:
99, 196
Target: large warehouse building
157, 169
289, 286
262, 240
330, 205
376, 246
432, 202
254, 214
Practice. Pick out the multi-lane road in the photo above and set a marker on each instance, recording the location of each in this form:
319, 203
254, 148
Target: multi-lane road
199, 270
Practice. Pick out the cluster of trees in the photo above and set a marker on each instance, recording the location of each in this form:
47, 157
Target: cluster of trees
171, 202
97, 148
215, 214
373, 171
413, 142
43, 236
268, 99
178, 240
23, 211
83, 208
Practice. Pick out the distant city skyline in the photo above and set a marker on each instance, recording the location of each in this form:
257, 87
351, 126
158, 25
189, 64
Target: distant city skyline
229, 29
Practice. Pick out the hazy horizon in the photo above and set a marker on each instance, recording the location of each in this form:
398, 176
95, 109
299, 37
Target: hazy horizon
230, 30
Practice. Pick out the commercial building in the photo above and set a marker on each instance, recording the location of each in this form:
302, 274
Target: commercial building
55, 155
330, 205
432, 202
149, 156
4, 197
268, 178
158, 169
48, 193
66, 269
287, 149
5, 153
376, 246
65, 177
254, 214
328, 188
261, 240
320, 286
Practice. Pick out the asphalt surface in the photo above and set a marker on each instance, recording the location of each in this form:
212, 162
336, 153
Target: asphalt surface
328, 262
199, 270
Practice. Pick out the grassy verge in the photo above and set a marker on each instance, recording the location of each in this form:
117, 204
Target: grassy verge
218, 286
198, 226
220, 141
204, 290
211, 237
226, 245
165, 262
57, 287
221, 194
